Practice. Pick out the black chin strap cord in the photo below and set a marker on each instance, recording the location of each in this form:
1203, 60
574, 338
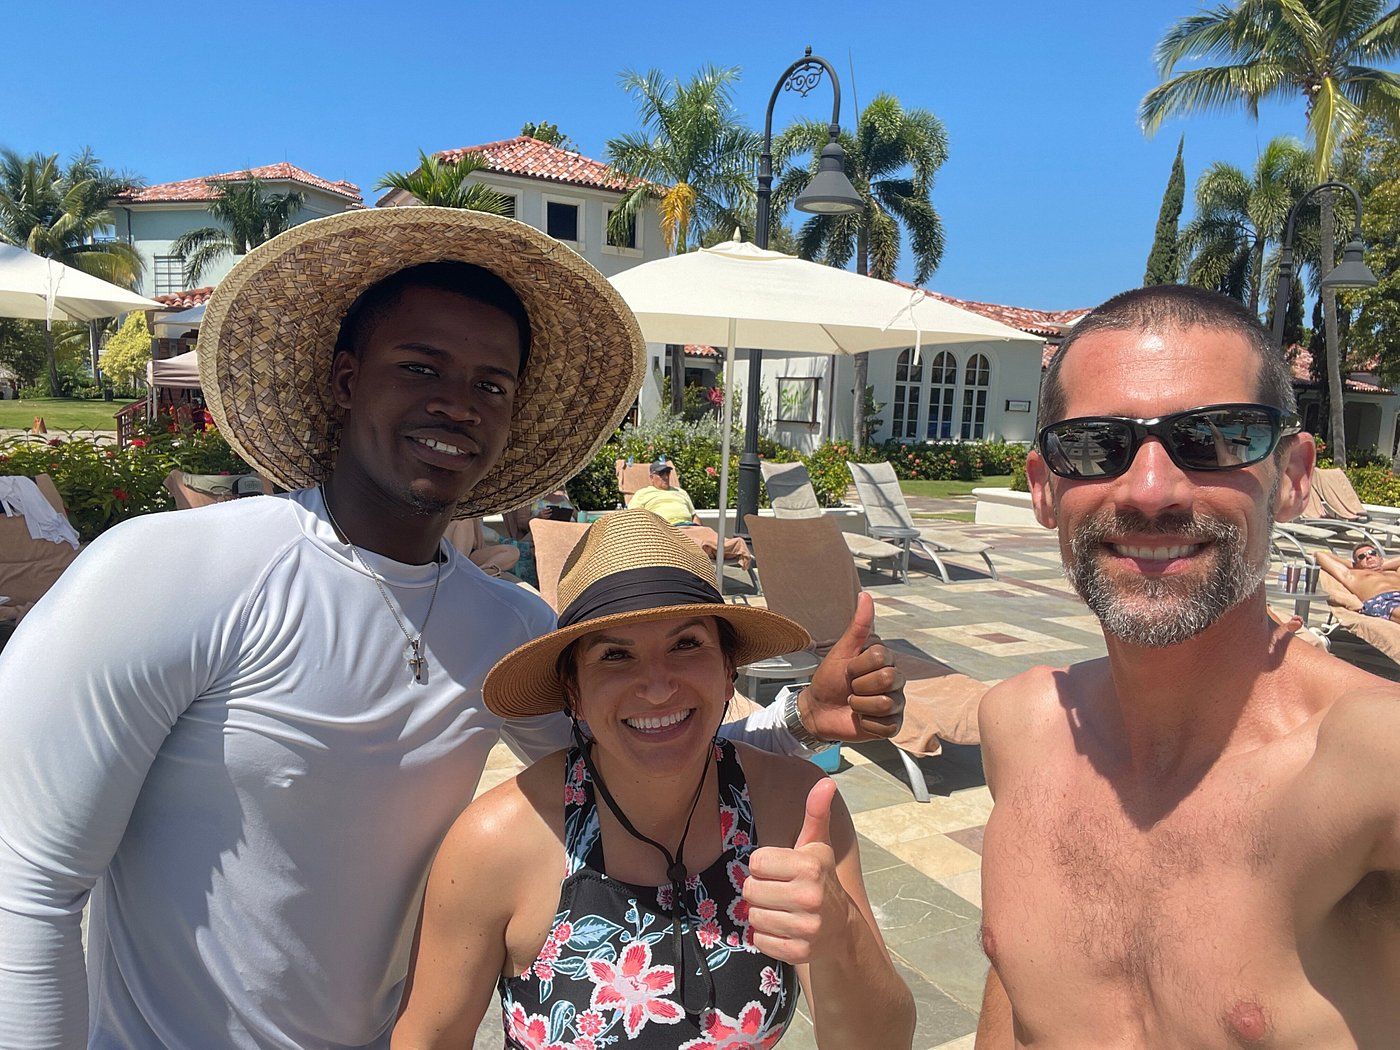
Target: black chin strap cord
676, 874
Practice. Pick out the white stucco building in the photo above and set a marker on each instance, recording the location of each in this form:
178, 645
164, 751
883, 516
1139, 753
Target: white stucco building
152, 219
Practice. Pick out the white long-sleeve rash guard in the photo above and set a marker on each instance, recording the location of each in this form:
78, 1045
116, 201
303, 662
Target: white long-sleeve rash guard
210, 719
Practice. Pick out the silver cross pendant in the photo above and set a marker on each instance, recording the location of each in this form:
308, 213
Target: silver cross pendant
416, 663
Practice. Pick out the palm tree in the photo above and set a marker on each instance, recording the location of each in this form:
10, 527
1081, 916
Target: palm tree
443, 184
1237, 216
693, 154
250, 215
58, 213
891, 160
1322, 50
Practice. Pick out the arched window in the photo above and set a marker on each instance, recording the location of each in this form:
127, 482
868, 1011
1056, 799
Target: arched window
908, 377
942, 385
976, 378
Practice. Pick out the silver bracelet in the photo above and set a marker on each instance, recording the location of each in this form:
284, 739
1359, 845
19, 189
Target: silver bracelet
792, 719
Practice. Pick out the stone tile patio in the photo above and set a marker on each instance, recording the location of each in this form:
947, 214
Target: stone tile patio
922, 863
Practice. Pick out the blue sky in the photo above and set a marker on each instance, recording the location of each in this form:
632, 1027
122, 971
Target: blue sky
1049, 197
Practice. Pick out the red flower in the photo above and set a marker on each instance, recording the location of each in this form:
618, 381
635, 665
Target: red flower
121, 494
711, 471
635, 988
172, 429
590, 1023
56, 442
723, 1032
139, 443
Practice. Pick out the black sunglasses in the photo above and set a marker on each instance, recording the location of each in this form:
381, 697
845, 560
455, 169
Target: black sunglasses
1214, 437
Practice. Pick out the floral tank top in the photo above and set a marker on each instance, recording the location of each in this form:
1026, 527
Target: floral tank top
607, 973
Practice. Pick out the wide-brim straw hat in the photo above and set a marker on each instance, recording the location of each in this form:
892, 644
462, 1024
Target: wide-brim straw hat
271, 326
629, 567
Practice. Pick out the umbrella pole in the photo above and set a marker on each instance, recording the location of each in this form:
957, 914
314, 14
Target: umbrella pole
728, 426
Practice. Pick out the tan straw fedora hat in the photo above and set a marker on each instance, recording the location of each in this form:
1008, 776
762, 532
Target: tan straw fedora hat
629, 567
270, 331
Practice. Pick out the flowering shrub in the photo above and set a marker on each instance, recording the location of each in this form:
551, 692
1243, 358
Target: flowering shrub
1375, 485
1019, 481
102, 485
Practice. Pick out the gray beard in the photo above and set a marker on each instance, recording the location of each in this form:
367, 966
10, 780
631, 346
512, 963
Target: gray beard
1159, 612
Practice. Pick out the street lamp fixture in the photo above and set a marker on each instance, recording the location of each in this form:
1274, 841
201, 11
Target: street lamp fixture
1351, 272
828, 193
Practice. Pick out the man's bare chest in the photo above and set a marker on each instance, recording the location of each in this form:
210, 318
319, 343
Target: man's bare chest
1101, 919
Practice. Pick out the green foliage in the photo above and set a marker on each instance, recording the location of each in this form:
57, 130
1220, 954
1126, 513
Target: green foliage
102, 485
1376, 332
1164, 262
128, 352
22, 349
1237, 216
1375, 484
1019, 481
547, 131
248, 216
443, 183
692, 151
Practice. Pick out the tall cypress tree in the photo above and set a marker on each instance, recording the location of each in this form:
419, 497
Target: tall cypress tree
1164, 261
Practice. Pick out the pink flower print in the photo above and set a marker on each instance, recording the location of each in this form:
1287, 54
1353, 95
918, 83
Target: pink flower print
574, 796
590, 1023
550, 951
741, 838
543, 970
635, 988
583, 1042
576, 772
718, 753
530, 1031
728, 818
707, 908
708, 934
769, 983
663, 897
738, 872
746, 1031
562, 933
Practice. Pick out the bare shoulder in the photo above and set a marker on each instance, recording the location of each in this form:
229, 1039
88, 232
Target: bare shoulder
1361, 730
516, 820
778, 787
1027, 711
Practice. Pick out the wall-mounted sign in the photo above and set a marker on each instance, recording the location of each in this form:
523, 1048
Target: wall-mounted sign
1018, 406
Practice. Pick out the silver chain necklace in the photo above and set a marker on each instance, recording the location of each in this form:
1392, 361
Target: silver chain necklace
413, 652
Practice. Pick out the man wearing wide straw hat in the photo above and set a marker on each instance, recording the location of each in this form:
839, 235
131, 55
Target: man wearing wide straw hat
248, 726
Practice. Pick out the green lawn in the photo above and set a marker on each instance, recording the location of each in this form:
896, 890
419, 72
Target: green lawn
60, 413
944, 489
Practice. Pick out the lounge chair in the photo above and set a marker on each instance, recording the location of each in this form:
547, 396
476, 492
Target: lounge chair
28, 566
632, 478
1316, 518
791, 495
200, 490
889, 519
1352, 634
808, 577
553, 541
1340, 499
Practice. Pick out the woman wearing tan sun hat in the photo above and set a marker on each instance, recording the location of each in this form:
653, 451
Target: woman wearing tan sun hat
701, 889
271, 765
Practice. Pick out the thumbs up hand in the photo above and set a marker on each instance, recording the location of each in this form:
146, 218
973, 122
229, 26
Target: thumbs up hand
797, 906
857, 693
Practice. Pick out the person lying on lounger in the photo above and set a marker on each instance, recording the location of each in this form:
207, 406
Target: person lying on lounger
1373, 579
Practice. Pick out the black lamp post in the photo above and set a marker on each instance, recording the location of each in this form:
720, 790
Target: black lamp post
828, 193
1351, 272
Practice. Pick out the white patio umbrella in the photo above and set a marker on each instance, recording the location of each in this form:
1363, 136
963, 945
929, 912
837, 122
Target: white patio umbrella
46, 290
736, 294
184, 320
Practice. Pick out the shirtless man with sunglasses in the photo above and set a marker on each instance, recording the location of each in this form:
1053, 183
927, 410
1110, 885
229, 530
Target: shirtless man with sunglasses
1371, 576
1196, 840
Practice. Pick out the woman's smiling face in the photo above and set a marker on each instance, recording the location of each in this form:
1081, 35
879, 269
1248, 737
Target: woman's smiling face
653, 694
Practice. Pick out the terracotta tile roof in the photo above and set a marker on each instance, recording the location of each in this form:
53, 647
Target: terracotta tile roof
185, 300
1044, 323
203, 188
534, 159
1358, 382
700, 350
